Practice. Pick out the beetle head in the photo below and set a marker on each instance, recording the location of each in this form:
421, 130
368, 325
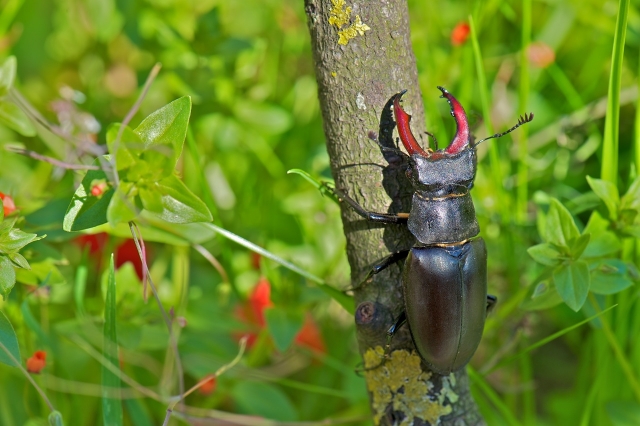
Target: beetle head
426, 167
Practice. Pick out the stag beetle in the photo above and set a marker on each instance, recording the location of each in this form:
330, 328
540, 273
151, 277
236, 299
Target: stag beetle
445, 273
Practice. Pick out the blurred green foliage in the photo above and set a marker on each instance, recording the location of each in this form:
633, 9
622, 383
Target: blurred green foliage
248, 70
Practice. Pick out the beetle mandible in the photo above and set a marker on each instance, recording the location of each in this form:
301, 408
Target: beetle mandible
445, 273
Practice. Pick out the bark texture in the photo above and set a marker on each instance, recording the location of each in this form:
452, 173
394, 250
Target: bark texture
356, 82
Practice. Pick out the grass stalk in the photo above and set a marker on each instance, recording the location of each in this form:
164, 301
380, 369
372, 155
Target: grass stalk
522, 195
609, 170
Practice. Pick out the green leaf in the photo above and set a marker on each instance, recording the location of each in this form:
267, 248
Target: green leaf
7, 74
178, 203
546, 254
541, 296
9, 340
578, 245
33, 324
265, 400
126, 151
283, 326
572, 282
608, 193
14, 118
86, 210
609, 276
163, 133
7, 276
560, 227
631, 200
55, 419
19, 261
122, 207
602, 242
111, 404
14, 240
623, 413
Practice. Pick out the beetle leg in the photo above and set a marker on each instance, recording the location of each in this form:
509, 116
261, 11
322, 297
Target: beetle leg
491, 302
372, 216
384, 264
402, 319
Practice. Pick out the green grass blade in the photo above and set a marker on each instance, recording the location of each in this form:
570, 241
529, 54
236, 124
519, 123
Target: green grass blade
496, 170
478, 380
523, 147
345, 301
111, 406
609, 170
548, 339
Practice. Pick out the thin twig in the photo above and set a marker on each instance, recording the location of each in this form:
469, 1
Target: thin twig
50, 160
213, 261
137, 237
219, 372
147, 84
26, 373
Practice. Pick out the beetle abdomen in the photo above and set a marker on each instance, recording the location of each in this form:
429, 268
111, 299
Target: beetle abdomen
445, 291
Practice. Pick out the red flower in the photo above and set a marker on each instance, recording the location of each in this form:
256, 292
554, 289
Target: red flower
94, 242
98, 189
125, 252
460, 33
540, 54
128, 252
208, 386
8, 204
36, 363
309, 335
252, 313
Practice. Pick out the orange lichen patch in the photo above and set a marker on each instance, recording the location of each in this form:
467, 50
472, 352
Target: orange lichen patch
400, 379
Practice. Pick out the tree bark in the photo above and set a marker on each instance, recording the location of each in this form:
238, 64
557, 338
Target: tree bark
356, 81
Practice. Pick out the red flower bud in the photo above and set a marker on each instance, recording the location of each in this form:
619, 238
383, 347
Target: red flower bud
460, 33
37, 362
8, 204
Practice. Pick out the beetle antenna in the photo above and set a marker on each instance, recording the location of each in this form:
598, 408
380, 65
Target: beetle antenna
521, 121
435, 140
372, 135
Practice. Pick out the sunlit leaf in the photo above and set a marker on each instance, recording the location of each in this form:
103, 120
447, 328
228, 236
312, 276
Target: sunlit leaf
163, 133
560, 227
178, 204
86, 210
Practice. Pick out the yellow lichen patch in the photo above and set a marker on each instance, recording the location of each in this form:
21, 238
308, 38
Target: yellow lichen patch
400, 379
357, 28
339, 17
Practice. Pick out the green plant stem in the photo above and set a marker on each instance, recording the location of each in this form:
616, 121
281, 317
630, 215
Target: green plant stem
609, 170
523, 149
617, 350
28, 376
